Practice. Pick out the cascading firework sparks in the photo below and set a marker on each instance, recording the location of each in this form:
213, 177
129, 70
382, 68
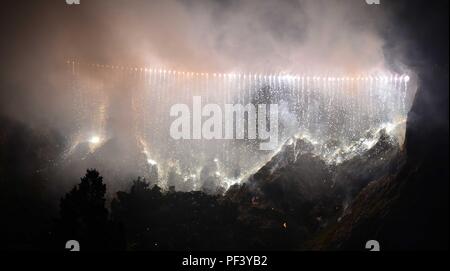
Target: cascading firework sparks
325, 110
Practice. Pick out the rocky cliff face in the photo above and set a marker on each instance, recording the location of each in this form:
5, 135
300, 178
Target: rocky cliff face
305, 192
409, 210
406, 210
402, 204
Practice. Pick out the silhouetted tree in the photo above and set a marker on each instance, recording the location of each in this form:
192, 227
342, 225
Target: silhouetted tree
84, 216
136, 209
156, 220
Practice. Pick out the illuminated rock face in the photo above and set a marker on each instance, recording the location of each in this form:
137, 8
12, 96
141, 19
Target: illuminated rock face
310, 193
340, 117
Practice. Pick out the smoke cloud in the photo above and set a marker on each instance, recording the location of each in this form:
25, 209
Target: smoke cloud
317, 37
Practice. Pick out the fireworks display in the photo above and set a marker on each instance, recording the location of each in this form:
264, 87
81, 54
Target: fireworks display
332, 113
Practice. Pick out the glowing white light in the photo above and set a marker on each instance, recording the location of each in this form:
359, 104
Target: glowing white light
353, 104
151, 162
94, 140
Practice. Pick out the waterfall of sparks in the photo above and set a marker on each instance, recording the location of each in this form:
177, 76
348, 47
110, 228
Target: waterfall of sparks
326, 110
91, 104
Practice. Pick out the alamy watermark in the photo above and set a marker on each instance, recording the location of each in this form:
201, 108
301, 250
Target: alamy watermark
373, 245
77, 2
72, 2
72, 245
261, 119
371, 2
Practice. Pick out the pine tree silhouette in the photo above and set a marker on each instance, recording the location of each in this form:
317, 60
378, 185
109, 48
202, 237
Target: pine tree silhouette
84, 216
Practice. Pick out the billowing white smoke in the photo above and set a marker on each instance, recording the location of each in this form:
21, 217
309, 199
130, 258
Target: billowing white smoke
321, 61
339, 116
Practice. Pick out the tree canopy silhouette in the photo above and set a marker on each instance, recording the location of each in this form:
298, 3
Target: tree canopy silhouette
84, 216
